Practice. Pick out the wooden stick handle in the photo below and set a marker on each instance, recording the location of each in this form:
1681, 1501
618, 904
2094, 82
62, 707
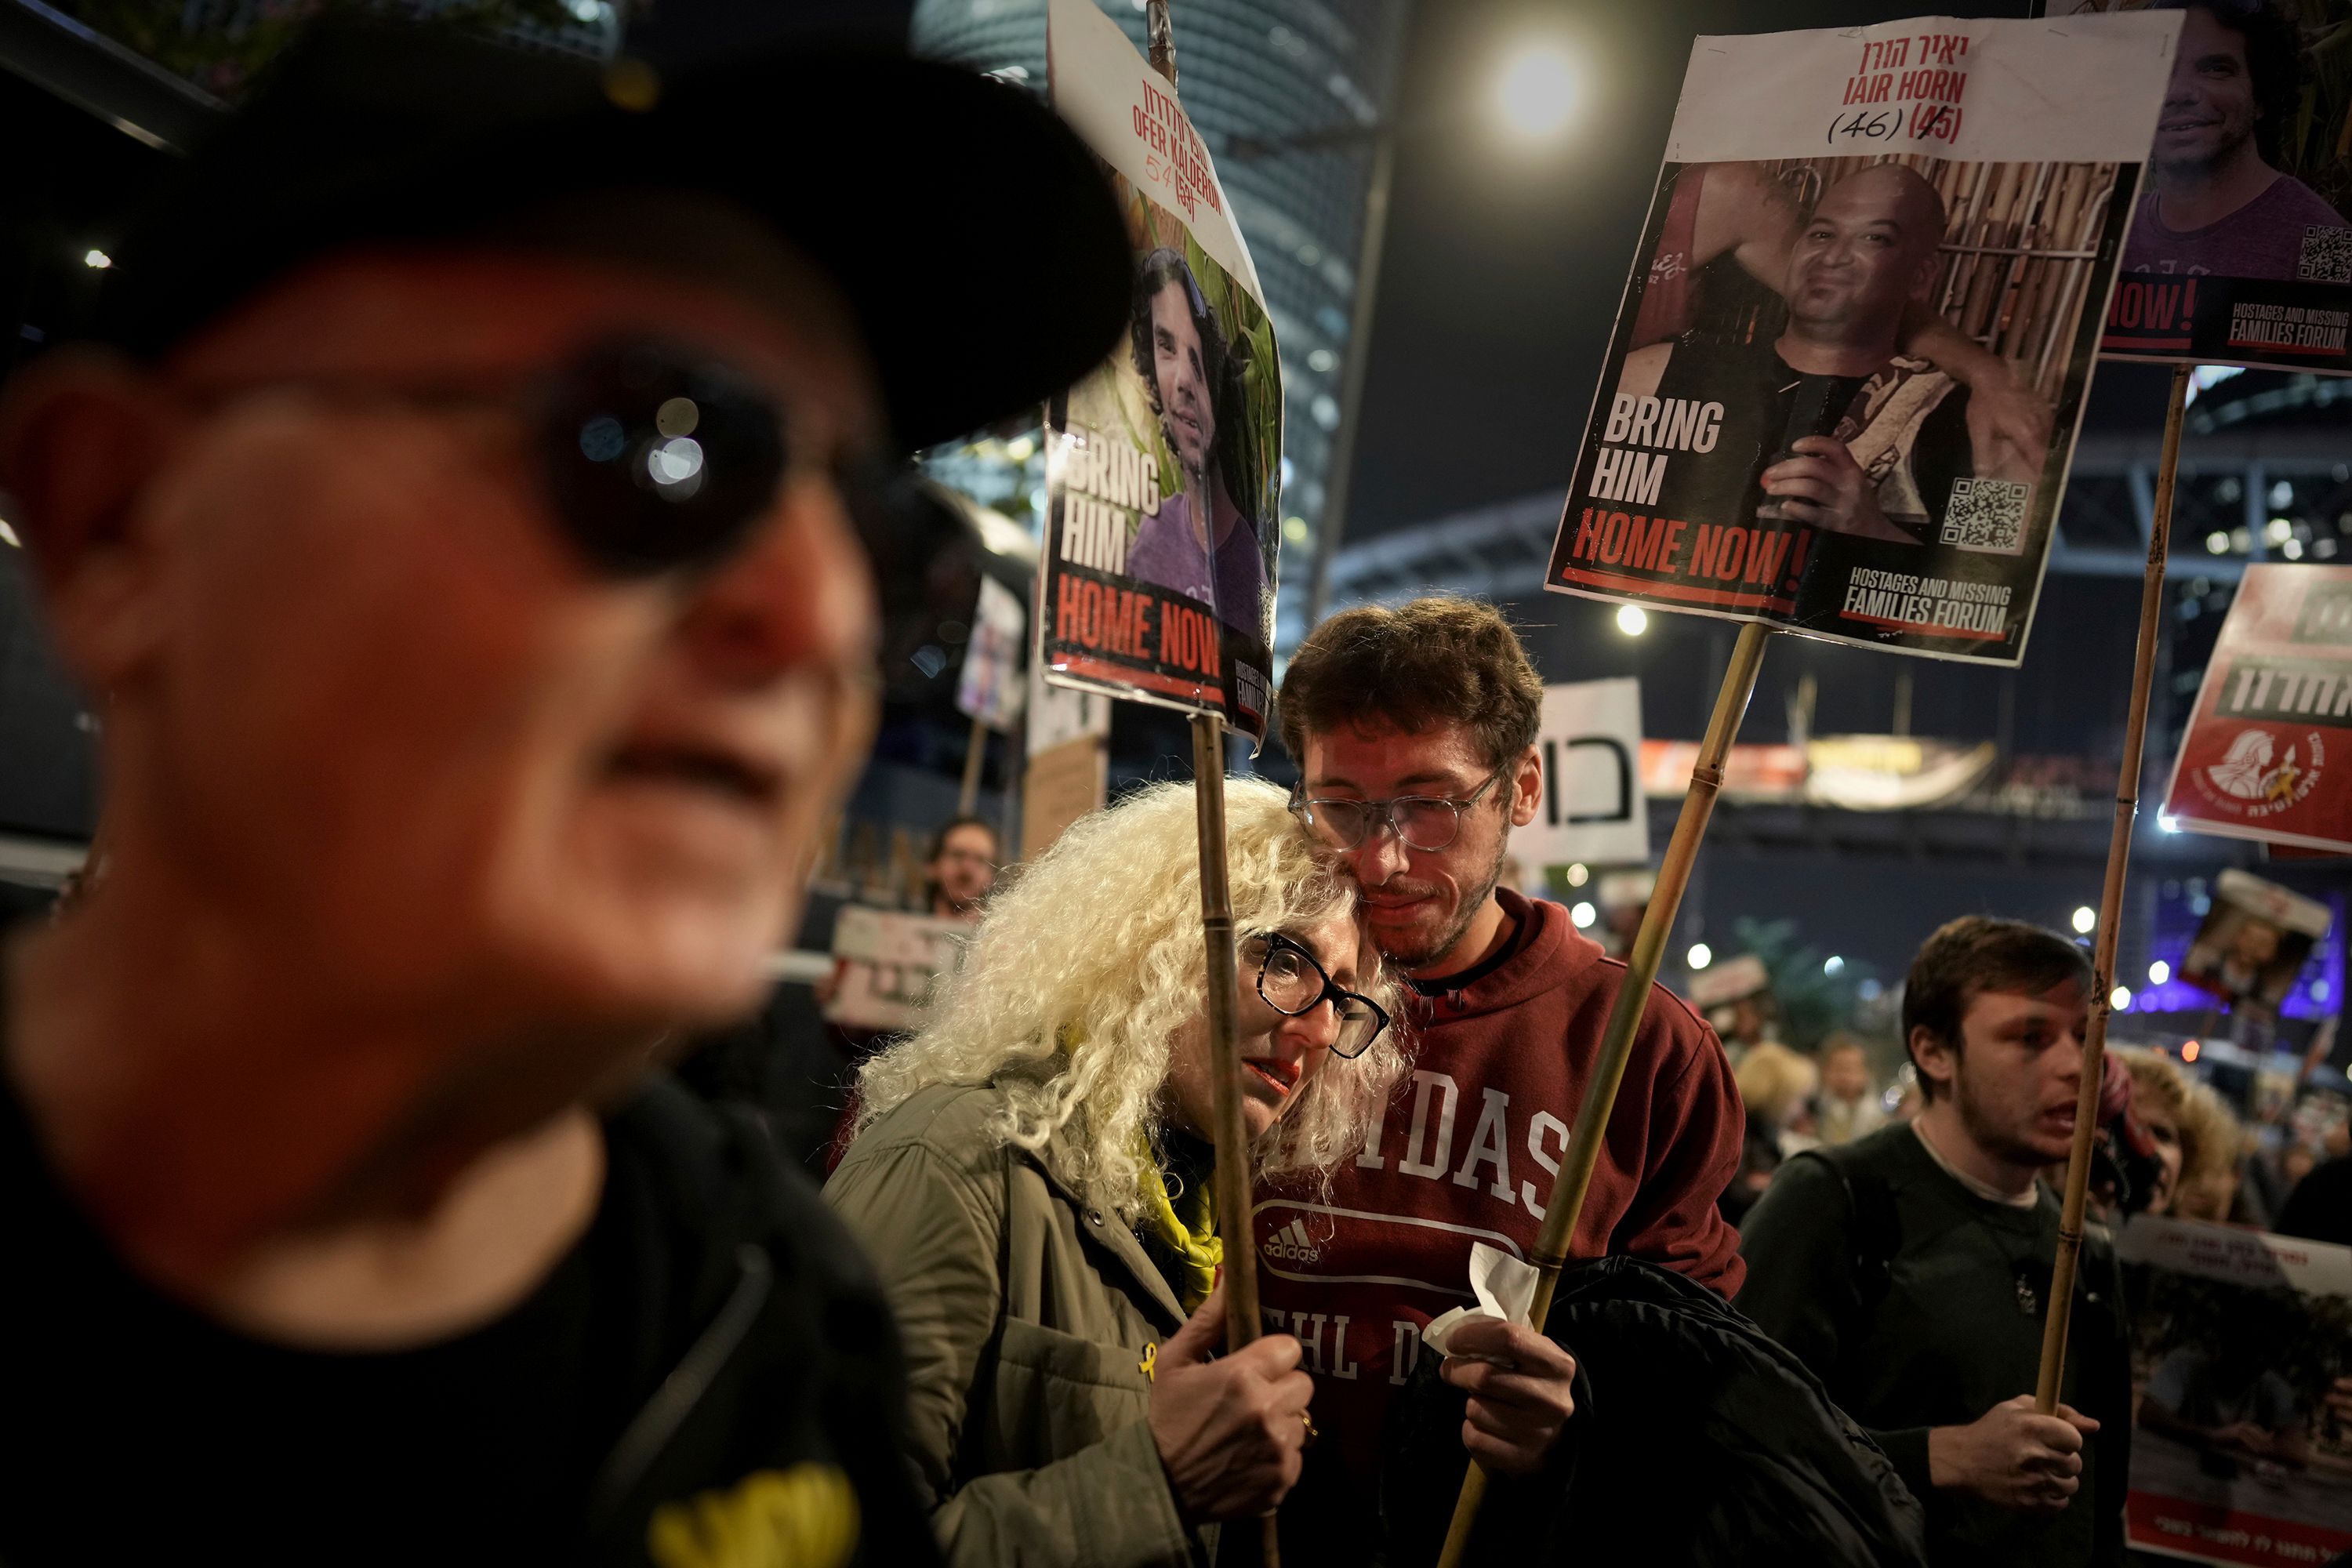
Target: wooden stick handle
1574, 1178
1231, 1133
2111, 914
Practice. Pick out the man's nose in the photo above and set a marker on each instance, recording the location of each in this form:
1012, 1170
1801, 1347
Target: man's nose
796, 593
1381, 855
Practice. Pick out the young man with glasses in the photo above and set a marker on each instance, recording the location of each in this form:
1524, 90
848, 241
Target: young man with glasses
1414, 730
461, 522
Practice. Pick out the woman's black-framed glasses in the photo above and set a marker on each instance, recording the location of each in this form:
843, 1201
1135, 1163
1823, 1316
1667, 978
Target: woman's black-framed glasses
1424, 821
1294, 983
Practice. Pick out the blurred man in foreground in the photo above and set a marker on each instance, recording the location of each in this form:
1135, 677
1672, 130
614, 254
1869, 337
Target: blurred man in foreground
1911, 1269
465, 530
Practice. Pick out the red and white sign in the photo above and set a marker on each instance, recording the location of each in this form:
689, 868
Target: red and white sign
2268, 754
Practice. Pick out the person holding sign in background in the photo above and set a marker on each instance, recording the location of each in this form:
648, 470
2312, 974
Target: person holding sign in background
1909, 1269
1033, 1174
1200, 543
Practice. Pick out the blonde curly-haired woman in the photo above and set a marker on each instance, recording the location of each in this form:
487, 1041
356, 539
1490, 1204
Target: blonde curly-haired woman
1032, 1175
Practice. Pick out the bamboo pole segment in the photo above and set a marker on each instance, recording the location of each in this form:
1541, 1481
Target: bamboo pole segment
1231, 1135
968, 791
1583, 1152
2111, 912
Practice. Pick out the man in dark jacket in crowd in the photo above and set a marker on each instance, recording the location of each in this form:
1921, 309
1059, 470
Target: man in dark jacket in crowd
1911, 1269
455, 528
1414, 730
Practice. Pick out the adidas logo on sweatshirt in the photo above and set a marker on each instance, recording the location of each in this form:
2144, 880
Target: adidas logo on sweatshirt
1291, 1242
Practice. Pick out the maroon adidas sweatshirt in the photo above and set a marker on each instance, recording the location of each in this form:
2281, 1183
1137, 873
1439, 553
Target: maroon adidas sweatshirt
1467, 1153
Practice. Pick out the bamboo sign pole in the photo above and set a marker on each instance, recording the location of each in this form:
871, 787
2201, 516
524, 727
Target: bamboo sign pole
1234, 1183
1583, 1152
2111, 912
1233, 1180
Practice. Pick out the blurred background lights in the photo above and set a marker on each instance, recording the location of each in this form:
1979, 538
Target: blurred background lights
1578, 875
2189, 1051
1583, 914
1700, 955
2086, 918
2120, 998
1833, 964
1632, 620
674, 462
1535, 96
2158, 972
97, 258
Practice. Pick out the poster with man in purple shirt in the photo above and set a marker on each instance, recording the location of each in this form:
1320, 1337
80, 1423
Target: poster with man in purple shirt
2239, 251
1164, 466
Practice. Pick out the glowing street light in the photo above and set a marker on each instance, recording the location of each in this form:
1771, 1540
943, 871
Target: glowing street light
97, 260
1535, 96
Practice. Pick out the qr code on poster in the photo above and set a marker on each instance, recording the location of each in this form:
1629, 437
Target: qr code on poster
2325, 256
1987, 515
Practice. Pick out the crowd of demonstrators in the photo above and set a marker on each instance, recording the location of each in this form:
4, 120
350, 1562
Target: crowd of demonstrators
1033, 1174
332, 1118
1911, 1269
453, 763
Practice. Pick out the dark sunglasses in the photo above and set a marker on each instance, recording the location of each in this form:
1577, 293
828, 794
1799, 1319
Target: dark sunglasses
659, 459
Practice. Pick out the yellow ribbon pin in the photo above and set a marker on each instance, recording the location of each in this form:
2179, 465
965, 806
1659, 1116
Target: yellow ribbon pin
1149, 1366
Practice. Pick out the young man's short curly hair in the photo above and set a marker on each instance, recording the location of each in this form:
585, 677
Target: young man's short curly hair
1419, 663
1965, 957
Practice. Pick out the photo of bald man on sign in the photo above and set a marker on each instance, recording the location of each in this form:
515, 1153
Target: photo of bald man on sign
1845, 430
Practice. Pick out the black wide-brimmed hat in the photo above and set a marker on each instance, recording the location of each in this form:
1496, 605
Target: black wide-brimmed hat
974, 235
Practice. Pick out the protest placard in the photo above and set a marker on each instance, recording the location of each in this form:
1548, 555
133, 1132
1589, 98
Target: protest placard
2237, 1337
1849, 362
2239, 251
1593, 811
2272, 731
990, 687
885, 964
1164, 466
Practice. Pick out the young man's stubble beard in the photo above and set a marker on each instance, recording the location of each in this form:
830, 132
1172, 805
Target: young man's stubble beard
1989, 1133
1464, 912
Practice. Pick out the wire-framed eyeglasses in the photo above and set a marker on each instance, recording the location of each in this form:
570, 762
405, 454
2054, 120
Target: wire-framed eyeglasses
1294, 983
1422, 822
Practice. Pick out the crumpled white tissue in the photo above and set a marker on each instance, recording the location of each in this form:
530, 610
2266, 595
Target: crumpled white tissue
1505, 1289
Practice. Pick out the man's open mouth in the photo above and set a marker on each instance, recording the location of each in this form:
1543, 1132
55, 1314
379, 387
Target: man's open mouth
723, 772
1282, 1074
